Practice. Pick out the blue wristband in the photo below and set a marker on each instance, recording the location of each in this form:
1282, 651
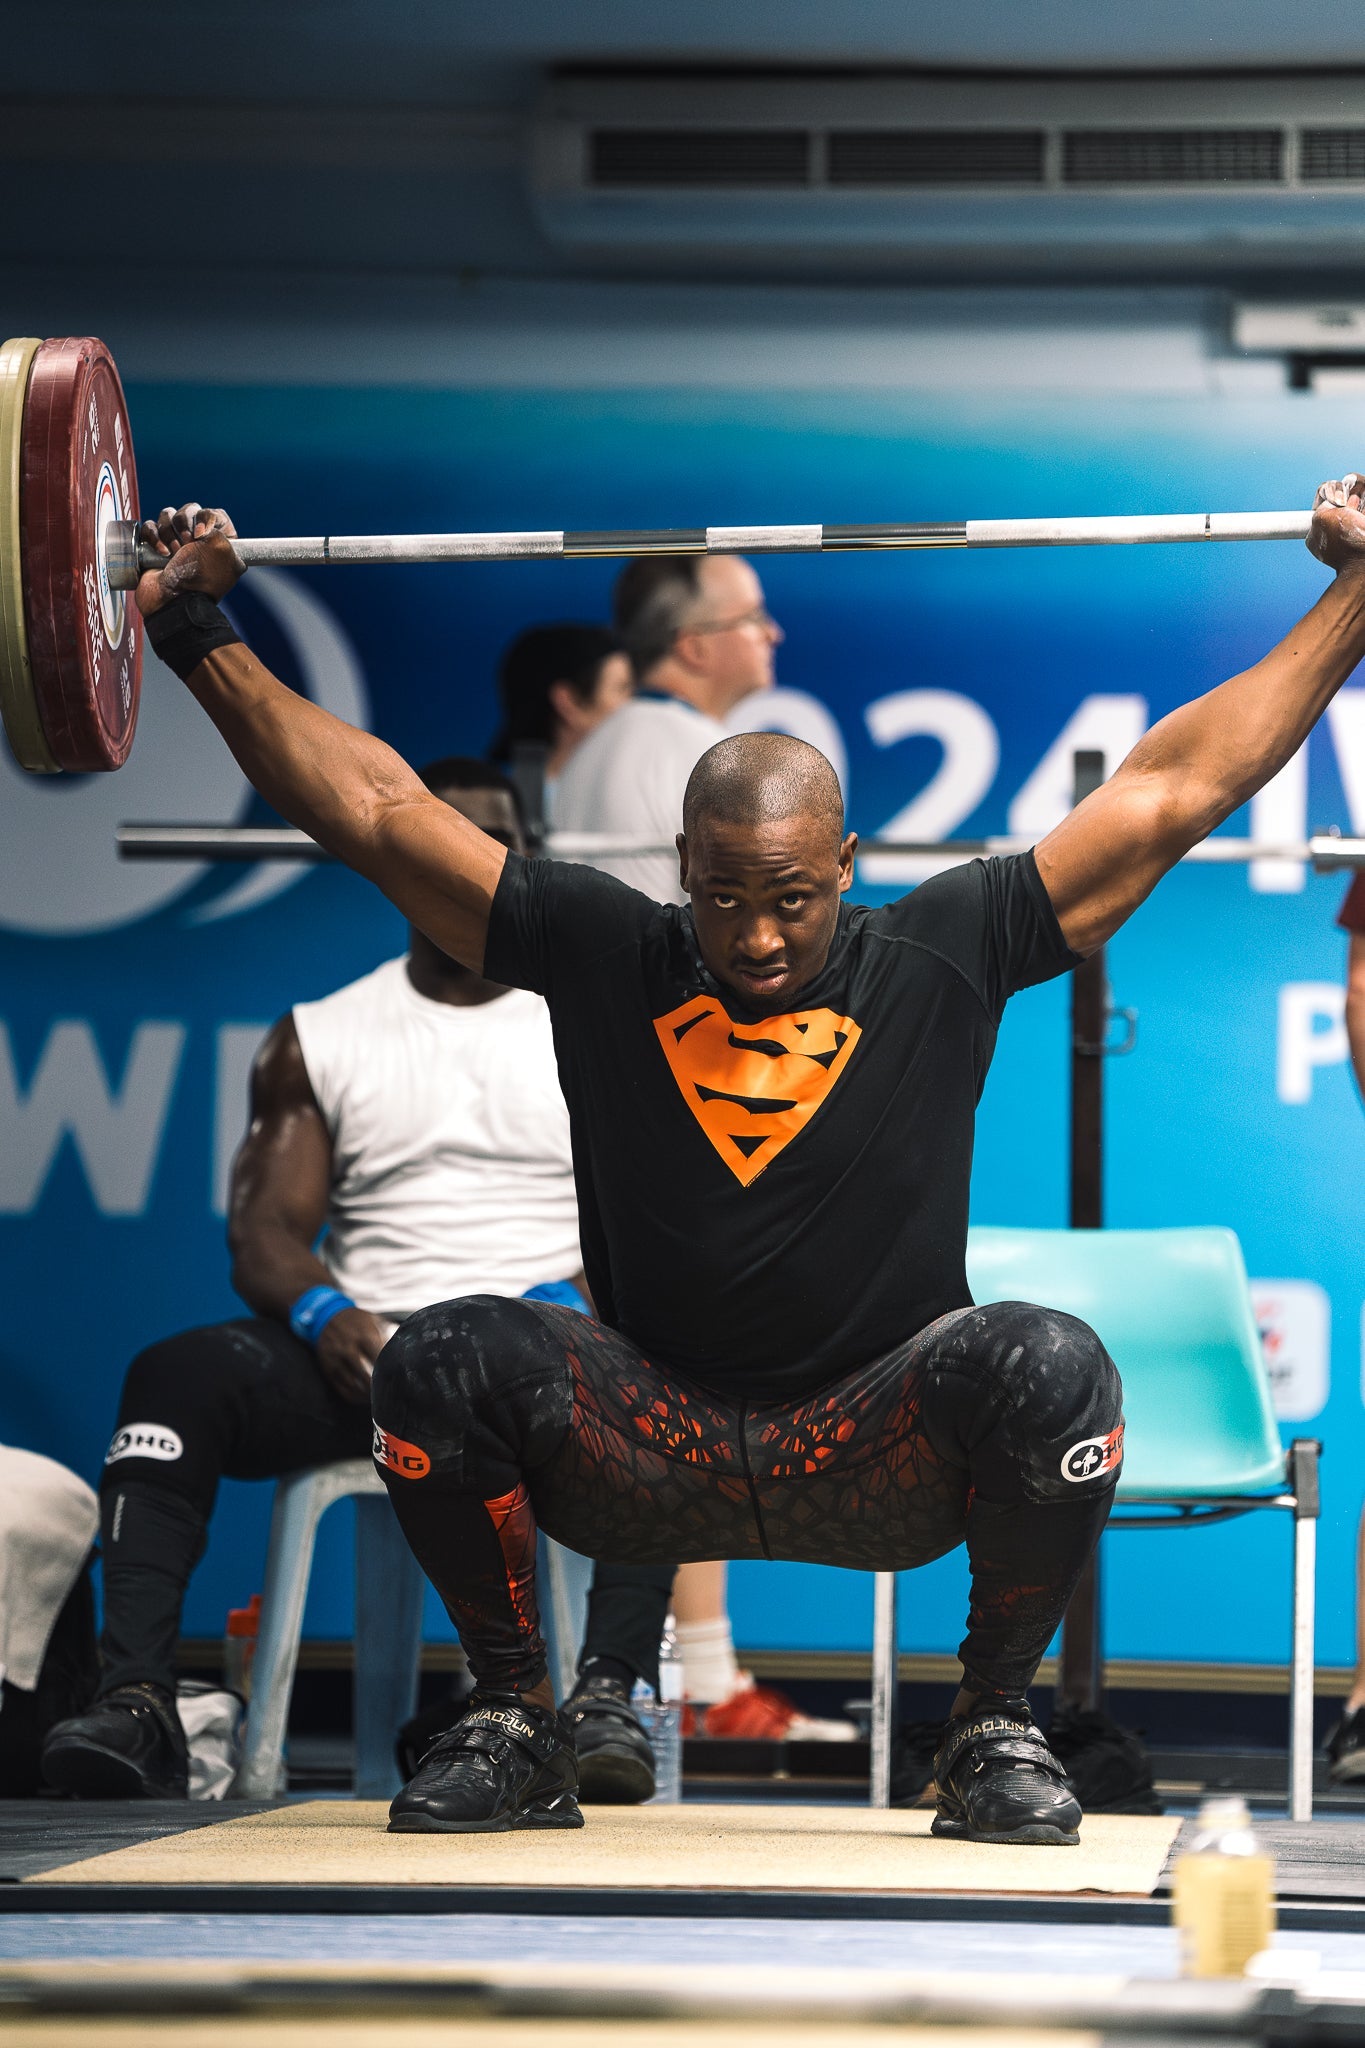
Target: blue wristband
314, 1310
562, 1292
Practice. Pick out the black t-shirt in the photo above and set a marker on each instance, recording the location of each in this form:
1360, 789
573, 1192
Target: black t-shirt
767, 1202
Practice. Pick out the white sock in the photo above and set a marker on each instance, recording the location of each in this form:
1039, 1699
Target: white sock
710, 1672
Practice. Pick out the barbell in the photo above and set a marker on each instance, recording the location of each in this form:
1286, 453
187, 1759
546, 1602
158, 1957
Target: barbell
71, 639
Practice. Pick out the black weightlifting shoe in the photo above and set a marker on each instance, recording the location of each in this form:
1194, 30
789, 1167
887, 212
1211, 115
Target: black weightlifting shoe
1346, 1748
503, 1765
997, 1780
615, 1759
128, 1745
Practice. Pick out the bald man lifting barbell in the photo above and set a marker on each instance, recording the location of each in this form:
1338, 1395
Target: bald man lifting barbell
772, 1098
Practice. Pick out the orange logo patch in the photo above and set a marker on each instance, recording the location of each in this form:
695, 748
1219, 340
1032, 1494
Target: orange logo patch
752, 1087
407, 1460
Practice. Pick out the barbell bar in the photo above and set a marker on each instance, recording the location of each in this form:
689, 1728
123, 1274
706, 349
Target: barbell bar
129, 558
1325, 852
71, 639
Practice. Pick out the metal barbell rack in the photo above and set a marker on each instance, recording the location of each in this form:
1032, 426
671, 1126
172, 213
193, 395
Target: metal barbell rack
1324, 852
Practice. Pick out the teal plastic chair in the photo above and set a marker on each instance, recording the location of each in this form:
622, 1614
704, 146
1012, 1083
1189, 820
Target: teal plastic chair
1174, 1311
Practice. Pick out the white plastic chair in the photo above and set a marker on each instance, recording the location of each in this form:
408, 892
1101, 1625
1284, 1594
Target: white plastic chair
389, 1587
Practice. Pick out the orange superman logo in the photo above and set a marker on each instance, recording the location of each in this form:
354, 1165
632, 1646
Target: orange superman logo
753, 1087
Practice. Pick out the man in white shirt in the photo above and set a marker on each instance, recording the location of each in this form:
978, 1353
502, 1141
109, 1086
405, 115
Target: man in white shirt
414, 1121
700, 639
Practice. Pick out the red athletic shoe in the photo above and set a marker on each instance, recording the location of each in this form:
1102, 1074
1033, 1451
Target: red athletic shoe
759, 1713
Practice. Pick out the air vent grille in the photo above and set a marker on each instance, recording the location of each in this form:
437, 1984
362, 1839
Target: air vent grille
1173, 156
700, 156
924, 157
1332, 156
899, 156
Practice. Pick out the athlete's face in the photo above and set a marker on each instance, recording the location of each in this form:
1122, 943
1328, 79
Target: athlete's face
765, 900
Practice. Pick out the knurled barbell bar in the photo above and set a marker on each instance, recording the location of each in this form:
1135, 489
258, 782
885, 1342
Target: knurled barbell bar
71, 639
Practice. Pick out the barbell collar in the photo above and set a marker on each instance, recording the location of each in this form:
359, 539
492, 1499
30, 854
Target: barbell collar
127, 557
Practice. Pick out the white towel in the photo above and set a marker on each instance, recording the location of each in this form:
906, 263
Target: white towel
48, 1520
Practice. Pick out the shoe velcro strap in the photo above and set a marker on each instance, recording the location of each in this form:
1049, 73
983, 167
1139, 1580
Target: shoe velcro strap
998, 1726
506, 1719
614, 1709
1036, 1754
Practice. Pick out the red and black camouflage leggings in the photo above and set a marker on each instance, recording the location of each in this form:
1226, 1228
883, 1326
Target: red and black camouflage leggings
998, 1426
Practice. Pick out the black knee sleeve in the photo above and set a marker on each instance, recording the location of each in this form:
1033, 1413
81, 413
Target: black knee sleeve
474, 1392
1029, 1399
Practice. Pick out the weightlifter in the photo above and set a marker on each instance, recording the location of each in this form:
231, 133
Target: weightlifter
772, 1097
416, 1118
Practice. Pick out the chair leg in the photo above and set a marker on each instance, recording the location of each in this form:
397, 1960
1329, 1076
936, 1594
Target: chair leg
389, 1592
299, 1502
1303, 1477
884, 1688
565, 1578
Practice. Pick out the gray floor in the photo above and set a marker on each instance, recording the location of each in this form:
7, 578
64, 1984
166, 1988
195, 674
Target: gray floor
966, 1946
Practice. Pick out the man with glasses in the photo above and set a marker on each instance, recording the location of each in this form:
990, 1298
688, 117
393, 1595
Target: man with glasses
700, 640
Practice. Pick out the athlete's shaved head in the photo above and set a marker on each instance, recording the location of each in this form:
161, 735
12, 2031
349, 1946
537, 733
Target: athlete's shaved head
758, 777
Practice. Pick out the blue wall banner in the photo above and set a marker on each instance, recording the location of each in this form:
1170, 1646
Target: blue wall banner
951, 689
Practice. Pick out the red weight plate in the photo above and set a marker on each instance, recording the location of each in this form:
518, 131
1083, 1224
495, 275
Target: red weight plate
85, 640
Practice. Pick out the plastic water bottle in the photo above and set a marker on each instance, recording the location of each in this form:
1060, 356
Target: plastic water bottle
661, 1716
1224, 1893
239, 1646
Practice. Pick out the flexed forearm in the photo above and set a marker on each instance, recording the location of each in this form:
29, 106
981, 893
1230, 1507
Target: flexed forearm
337, 783
349, 790
1211, 755
1202, 762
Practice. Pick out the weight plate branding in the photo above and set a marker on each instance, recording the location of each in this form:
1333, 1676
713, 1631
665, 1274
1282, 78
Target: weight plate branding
18, 705
85, 639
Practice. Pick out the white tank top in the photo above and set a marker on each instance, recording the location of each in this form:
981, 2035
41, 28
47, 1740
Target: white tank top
451, 1165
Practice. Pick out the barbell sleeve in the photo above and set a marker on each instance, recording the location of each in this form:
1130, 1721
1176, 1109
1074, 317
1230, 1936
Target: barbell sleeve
127, 557
1324, 851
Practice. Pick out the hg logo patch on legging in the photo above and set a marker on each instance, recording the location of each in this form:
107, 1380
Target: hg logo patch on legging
145, 1440
407, 1460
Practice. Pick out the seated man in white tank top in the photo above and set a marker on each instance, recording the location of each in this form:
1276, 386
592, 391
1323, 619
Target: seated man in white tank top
413, 1122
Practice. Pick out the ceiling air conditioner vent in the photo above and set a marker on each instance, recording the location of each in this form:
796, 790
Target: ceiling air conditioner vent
1173, 156
699, 156
1330, 156
899, 156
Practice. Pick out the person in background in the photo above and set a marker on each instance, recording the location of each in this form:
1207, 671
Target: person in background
700, 640
1346, 1742
414, 1117
556, 685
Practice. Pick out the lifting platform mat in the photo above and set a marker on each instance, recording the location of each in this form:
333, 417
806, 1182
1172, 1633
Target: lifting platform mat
648, 1849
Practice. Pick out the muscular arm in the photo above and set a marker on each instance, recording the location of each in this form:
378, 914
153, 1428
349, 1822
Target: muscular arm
278, 1205
1197, 766
1355, 1006
350, 791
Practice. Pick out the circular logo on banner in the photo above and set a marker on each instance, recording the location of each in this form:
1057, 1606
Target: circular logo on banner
59, 873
